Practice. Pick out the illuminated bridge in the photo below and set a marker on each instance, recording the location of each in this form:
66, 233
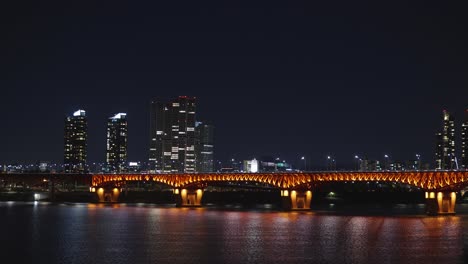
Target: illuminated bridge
296, 188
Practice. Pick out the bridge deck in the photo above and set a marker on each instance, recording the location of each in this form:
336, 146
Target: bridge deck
427, 180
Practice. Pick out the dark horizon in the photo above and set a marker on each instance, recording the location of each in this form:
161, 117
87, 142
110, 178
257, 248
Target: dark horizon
290, 81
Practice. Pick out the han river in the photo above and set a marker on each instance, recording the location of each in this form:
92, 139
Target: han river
36, 232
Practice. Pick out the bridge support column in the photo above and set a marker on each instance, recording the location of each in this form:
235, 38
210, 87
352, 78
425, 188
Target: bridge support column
188, 197
296, 200
107, 195
440, 203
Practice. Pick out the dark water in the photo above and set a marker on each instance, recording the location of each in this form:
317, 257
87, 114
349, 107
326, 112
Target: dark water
89, 233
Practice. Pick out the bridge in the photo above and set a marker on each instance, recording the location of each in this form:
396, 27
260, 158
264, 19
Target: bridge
295, 188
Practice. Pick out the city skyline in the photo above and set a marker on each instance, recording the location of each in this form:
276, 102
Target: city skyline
273, 80
234, 132
76, 130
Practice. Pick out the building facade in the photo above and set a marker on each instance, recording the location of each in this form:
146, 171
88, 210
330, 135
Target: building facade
370, 165
116, 154
75, 142
251, 166
464, 143
204, 147
172, 135
445, 144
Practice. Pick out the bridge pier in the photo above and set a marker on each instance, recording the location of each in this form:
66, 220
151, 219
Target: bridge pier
440, 203
188, 197
296, 199
106, 195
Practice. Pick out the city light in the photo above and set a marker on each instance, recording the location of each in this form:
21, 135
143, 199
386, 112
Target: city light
426, 180
305, 162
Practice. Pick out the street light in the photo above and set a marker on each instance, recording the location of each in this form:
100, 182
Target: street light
305, 163
387, 165
331, 163
357, 162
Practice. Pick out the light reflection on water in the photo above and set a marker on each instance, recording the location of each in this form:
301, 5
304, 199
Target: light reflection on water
97, 233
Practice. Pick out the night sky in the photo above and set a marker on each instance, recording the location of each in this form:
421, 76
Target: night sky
314, 79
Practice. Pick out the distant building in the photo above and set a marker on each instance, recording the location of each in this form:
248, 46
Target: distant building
116, 154
364, 165
97, 167
204, 147
464, 136
413, 164
172, 135
43, 166
75, 145
397, 166
270, 164
235, 165
370, 165
445, 144
251, 166
227, 169
134, 166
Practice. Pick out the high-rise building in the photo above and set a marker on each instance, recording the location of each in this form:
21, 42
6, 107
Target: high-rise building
464, 136
116, 154
157, 134
445, 140
75, 144
172, 135
204, 152
439, 151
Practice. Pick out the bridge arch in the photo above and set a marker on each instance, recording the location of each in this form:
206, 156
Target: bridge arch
427, 180
440, 186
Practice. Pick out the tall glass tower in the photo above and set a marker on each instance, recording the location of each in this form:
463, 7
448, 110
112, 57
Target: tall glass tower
464, 137
204, 147
445, 149
116, 154
172, 135
75, 142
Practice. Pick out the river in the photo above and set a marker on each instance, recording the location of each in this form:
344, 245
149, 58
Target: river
39, 232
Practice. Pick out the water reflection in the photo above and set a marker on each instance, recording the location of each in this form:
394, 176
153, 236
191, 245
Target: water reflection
90, 233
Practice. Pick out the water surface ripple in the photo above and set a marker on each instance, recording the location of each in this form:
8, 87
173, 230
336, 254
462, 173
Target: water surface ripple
89, 233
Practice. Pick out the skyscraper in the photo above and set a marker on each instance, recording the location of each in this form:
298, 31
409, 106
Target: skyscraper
172, 135
439, 152
75, 142
464, 137
445, 149
157, 134
204, 147
116, 154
